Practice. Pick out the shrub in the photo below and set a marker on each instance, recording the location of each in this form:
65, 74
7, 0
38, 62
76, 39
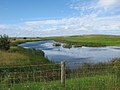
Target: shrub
67, 45
56, 44
116, 66
4, 42
24, 38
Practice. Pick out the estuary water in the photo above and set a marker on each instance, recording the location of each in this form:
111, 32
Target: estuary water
78, 55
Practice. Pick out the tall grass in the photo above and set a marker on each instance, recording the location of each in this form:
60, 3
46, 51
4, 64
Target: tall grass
20, 56
103, 76
104, 81
15, 41
12, 58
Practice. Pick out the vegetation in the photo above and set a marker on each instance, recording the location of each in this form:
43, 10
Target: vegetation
23, 61
102, 76
15, 55
89, 40
15, 41
67, 45
24, 38
84, 83
4, 42
56, 44
20, 56
28, 68
82, 40
77, 45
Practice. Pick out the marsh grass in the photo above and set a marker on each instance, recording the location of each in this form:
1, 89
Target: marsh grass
20, 56
12, 58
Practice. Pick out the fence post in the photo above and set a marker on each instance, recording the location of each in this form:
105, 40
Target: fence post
63, 73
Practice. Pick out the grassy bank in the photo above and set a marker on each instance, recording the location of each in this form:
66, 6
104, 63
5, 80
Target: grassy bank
21, 56
84, 83
15, 41
89, 40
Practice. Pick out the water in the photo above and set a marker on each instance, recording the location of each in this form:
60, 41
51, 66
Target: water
75, 55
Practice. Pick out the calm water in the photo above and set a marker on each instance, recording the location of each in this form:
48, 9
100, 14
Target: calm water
75, 55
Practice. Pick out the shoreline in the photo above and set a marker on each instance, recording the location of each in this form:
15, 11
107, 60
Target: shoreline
15, 49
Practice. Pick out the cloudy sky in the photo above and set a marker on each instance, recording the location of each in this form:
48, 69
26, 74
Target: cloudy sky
39, 18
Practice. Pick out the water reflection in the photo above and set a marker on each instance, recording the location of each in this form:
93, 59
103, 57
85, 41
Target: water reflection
79, 55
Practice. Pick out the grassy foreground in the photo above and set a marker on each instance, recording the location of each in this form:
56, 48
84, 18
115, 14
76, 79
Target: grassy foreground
85, 83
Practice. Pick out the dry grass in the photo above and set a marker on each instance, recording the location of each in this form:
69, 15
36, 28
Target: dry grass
12, 58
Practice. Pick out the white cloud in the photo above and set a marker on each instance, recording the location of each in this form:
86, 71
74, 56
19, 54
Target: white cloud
85, 24
2, 27
66, 26
108, 3
97, 7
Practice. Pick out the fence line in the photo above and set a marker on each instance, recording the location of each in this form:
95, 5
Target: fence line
63, 73
86, 76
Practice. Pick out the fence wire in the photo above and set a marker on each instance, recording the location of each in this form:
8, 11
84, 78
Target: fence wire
48, 77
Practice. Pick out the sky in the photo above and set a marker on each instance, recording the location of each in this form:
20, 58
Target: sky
41, 18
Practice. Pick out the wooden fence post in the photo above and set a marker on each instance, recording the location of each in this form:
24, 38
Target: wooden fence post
63, 73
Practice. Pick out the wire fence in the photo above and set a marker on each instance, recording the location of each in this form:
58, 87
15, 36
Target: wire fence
60, 77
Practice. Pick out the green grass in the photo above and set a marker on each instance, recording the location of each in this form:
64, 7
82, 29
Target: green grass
90, 77
105, 82
89, 40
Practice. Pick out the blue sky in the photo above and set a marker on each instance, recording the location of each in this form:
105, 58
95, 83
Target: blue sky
34, 18
14, 11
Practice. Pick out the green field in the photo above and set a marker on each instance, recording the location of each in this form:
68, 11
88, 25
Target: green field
83, 40
89, 40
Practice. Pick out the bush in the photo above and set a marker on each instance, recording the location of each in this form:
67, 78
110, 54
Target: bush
56, 44
24, 38
116, 66
67, 46
4, 42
